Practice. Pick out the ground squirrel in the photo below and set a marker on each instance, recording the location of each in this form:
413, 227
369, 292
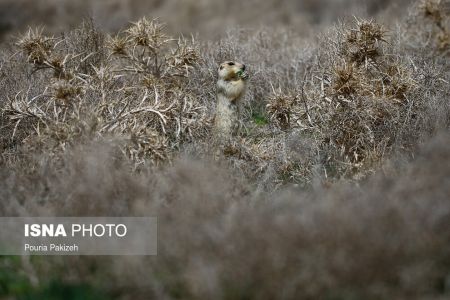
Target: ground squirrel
231, 86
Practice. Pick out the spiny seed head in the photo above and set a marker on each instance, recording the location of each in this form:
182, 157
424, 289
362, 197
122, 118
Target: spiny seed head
118, 45
59, 70
362, 42
345, 79
279, 109
147, 34
184, 57
370, 31
36, 46
57, 62
63, 90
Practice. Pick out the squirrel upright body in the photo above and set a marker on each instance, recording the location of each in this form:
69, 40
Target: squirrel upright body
231, 86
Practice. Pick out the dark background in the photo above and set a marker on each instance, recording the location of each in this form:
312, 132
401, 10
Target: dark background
209, 18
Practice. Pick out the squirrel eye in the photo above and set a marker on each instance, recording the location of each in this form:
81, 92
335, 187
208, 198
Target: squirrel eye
231, 63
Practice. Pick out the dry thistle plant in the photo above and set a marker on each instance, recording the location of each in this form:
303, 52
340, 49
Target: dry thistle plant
279, 108
366, 95
139, 92
353, 99
36, 46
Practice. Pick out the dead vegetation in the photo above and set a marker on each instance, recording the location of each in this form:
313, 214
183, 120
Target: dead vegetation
137, 91
386, 238
356, 98
325, 194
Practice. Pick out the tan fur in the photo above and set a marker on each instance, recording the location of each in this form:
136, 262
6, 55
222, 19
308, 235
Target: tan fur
230, 90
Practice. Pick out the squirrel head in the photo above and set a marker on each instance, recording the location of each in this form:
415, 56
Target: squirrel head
232, 71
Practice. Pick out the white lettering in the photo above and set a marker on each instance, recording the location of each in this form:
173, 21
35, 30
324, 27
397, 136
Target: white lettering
37, 230
99, 230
